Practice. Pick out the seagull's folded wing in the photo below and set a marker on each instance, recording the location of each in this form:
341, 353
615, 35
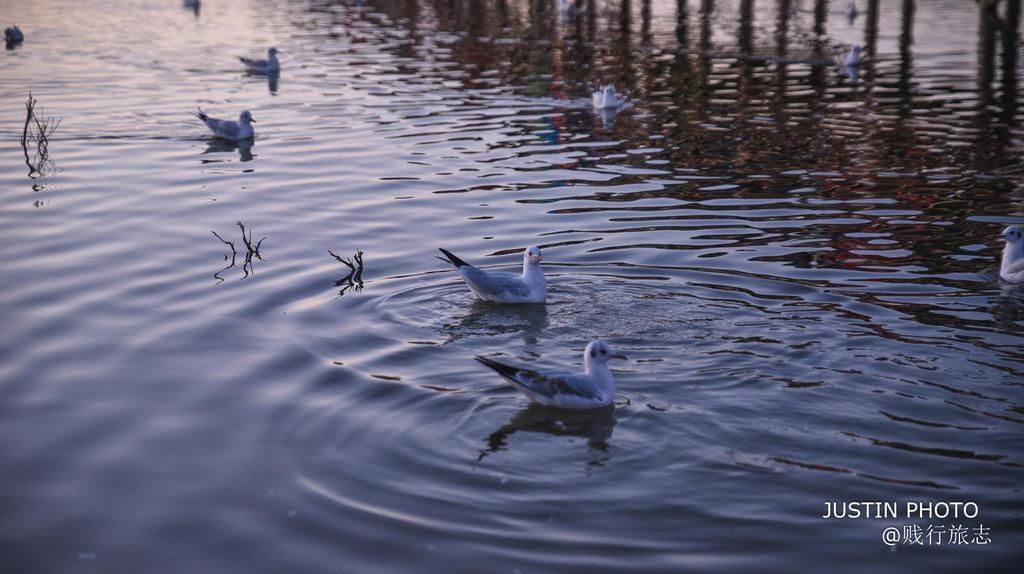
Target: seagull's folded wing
548, 385
227, 129
496, 284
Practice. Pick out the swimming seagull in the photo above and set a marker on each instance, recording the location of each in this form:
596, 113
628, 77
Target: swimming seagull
229, 130
606, 99
1012, 267
852, 57
268, 66
851, 12
13, 35
502, 286
850, 62
594, 388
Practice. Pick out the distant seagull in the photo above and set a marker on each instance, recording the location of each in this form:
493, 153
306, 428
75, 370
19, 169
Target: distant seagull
502, 286
850, 62
594, 388
851, 12
229, 130
13, 36
1011, 269
606, 99
264, 67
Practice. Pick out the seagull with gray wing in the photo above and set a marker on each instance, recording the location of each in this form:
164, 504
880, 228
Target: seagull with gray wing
502, 286
592, 389
263, 67
230, 130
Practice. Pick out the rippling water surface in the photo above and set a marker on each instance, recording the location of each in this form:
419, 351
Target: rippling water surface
801, 268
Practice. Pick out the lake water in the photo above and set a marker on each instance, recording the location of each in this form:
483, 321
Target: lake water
800, 267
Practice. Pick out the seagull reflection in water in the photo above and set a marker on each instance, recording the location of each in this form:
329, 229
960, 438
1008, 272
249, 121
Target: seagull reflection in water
488, 319
596, 426
219, 145
272, 77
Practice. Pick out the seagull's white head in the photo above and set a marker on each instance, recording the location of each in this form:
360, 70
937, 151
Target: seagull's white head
1013, 234
857, 50
246, 118
531, 255
600, 352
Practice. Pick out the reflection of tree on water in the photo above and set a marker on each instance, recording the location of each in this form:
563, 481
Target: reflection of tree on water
596, 426
489, 319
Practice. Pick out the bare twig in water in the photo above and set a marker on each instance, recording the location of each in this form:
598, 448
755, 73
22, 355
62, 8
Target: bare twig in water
36, 134
354, 279
230, 244
250, 251
253, 249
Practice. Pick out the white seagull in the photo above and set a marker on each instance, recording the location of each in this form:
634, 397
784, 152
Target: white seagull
850, 62
1012, 267
606, 99
592, 389
229, 130
502, 286
263, 67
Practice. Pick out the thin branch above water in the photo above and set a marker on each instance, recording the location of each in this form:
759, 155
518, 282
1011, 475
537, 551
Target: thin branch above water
35, 136
251, 250
354, 279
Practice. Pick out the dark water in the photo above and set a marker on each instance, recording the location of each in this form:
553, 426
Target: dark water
800, 267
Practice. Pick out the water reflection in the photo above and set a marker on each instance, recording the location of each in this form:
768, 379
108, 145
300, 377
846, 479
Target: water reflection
272, 78
595, 426
193, 5
220, 145
490, 319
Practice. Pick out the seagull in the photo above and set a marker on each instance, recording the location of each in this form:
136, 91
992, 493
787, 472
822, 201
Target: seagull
849, 63
851, 12
606, 98
13, 35
501, 286
1012, 267
264, 67
852, 57
592, 389
229, 130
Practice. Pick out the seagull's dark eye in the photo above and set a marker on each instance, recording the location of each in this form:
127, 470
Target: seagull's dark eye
593, 353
